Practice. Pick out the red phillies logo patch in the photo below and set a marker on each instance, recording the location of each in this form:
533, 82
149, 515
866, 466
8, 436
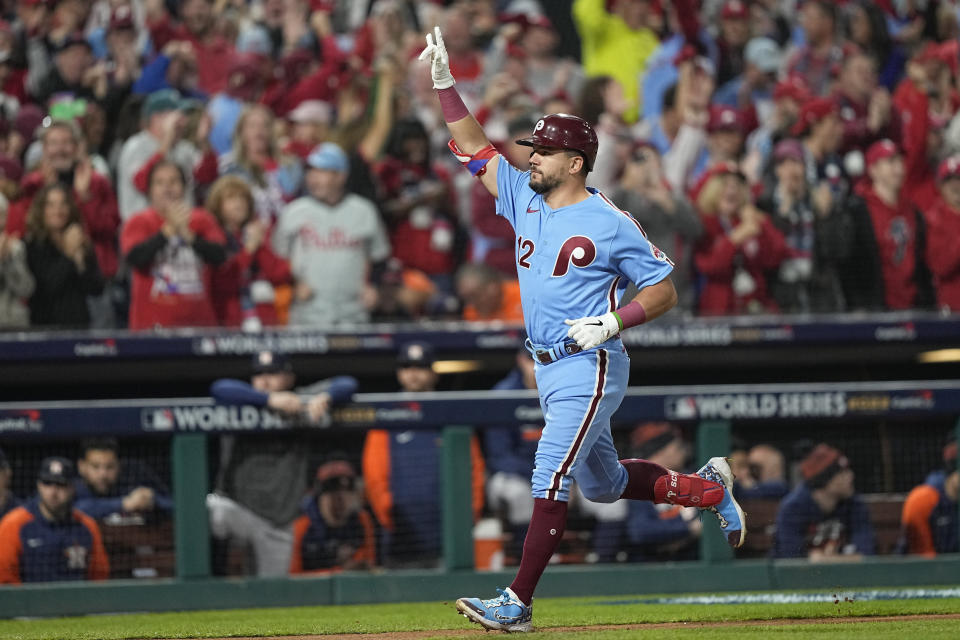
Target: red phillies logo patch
578, 251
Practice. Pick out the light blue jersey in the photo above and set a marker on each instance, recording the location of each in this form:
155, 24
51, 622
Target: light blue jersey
575, 262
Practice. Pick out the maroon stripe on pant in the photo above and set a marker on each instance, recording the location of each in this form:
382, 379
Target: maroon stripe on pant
584, 426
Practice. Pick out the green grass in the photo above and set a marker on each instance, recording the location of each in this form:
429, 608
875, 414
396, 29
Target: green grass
550, 616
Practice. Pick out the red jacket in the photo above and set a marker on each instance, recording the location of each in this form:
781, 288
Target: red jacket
101, 217
416, 246
716, 259
943, 255
231, 279
174, 289
913, 107
214, 54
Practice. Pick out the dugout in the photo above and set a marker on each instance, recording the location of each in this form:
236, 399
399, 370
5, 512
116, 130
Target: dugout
885, 388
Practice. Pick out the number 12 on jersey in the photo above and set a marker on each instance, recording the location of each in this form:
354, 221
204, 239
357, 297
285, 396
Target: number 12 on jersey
525, 249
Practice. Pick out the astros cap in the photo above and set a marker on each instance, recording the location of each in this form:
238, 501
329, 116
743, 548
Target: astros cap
416, 354
267, 361
56, 470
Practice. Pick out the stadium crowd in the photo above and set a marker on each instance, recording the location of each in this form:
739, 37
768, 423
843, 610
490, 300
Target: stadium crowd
248, 163
281, 162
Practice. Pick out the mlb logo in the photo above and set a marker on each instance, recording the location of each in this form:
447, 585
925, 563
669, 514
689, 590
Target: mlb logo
681, 408
157, 420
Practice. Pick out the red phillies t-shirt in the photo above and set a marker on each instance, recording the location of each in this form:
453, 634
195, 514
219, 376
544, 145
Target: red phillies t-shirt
895, 231
174, 289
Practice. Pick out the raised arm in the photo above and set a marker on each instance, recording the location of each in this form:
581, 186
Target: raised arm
470, 144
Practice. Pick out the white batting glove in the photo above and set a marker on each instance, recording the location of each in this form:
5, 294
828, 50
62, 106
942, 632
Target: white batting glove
593, 330
436, 52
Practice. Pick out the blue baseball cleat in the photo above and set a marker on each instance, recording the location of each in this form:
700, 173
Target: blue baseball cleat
503, 613
732, 519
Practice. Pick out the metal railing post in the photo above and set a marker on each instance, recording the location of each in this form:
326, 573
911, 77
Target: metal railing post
457, 498
191, 527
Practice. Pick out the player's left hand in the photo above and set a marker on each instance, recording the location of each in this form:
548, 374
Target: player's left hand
593, 330
436, 53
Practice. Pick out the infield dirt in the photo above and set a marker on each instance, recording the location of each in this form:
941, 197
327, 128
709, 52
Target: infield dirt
476, 631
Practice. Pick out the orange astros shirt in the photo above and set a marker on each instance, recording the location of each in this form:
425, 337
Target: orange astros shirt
510, 309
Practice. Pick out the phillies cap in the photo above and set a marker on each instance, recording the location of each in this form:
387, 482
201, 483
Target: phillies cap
881, 150
949, 168
813, 111
56, 470
789, 149
416, 354
267, 361
724, 118
328, 156
28, 120
121, 18
244, 70
734, 10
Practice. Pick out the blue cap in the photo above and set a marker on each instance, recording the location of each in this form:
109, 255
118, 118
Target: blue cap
160, 101
328, 156
267, 361
416, 354
56, 470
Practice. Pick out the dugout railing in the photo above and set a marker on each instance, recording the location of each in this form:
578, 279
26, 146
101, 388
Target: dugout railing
39, 365
712, 410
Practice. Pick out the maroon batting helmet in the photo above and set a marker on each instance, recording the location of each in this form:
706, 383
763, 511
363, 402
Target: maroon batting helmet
564, 131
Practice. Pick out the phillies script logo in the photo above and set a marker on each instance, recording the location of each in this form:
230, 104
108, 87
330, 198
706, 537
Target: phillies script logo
578, 251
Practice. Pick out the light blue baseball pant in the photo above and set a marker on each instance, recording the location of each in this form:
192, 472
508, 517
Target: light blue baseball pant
578, 394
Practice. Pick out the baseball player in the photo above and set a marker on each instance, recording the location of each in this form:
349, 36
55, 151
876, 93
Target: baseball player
576, 252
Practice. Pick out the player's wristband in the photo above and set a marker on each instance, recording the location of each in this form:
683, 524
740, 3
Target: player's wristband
477, 163
452, 105
630, 315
